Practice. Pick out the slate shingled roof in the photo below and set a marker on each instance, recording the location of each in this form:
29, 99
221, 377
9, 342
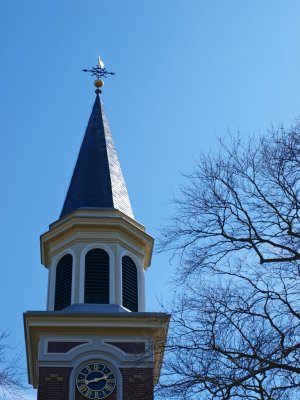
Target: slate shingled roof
97, 180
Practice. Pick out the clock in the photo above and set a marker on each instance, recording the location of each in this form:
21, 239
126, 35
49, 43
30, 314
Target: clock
95, 380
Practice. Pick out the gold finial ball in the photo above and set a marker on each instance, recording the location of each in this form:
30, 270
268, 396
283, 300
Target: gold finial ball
98, 83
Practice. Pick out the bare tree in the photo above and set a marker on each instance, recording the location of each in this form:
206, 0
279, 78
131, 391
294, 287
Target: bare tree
11, 384
235, 332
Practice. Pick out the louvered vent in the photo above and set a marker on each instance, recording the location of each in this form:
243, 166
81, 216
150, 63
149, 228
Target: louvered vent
96, 286
63, 284
129, 284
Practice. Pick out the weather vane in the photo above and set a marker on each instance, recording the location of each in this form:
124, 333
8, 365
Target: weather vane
99, 72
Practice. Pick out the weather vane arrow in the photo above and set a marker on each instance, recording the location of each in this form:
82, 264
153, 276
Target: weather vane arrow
99, 72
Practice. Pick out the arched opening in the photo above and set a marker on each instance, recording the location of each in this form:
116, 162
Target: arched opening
63, 284
96, 283
129, 284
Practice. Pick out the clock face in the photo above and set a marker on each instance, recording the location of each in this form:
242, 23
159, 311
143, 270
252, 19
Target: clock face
95, 381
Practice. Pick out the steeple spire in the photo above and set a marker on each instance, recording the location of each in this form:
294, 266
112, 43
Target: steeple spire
97, 180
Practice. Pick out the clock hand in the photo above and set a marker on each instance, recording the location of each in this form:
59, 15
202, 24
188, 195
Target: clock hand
96, 379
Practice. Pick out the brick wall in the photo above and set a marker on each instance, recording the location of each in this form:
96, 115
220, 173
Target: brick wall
137, 383
53, 383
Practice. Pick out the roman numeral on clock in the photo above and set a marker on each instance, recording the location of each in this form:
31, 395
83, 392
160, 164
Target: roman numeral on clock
82, 388
108, 387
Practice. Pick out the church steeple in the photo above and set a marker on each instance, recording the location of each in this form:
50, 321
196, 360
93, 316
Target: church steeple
96, 252
96, 340
97, 180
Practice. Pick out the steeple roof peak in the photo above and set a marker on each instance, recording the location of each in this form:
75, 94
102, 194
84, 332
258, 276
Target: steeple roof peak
97, 180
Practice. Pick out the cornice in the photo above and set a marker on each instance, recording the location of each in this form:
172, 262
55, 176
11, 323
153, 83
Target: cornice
93, 222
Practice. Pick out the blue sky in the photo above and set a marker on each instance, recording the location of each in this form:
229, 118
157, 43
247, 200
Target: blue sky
188, 72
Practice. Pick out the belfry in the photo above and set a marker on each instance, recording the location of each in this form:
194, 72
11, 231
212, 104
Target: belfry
95, 340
